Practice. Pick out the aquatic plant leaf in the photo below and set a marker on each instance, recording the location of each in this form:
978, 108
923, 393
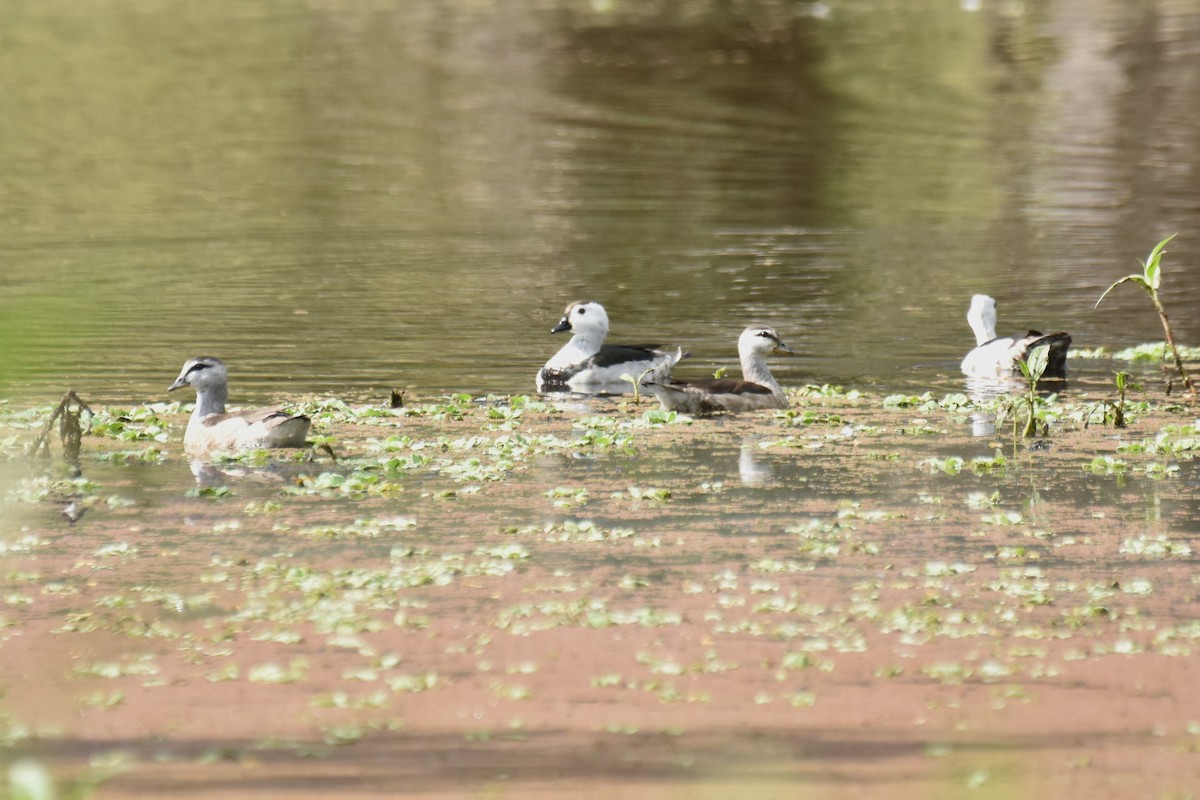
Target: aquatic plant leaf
1151, 269
1138, 279
1151, 276
1035, 363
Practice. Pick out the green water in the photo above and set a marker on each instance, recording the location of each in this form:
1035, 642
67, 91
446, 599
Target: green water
342, 198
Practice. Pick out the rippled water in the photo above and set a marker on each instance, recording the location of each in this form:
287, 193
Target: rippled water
339, 199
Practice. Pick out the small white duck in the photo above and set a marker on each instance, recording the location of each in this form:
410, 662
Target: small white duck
211, 428
586, 364
757, 388
996, 356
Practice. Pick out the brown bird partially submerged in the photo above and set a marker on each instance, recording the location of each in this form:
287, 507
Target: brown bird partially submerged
211, 428
757, 388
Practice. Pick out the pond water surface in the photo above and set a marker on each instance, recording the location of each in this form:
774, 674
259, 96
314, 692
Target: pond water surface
339, 199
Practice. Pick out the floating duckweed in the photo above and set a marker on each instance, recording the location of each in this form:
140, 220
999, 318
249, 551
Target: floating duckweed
103, 700
983, 464
504, 551
1003, 518
947, 672
653, 494
798, 417
1155, 352
1156, 470
981, 500
229, 672
511, 691
1106, 465
277, 673
827, 391
140, 423
567, 497
412, 683
936, 569
1125, 647
854, 511
799, 660
26, 543
210, 492
1137, 586
142, 665
42, 488
656, 417
802, 699
951, 465
924, 401
1155, 547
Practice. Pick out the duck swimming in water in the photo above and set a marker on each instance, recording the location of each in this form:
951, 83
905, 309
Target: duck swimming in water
586, 364
757, 388
212, 428
998, 356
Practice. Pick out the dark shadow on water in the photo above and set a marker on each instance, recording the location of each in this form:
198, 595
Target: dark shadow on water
420, 764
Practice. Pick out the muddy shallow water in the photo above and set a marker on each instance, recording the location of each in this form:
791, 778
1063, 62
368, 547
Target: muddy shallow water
515, 598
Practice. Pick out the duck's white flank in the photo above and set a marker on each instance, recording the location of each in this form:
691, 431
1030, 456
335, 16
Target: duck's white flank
210, 428
587, 364
757, 389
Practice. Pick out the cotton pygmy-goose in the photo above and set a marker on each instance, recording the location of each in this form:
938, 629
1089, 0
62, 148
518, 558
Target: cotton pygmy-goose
757, 388
211, 428
996, 356
586, 364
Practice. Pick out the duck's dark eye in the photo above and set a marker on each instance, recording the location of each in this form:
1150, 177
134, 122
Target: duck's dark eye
581, 311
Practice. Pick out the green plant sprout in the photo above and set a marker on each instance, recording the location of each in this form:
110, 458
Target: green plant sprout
1150, 280
1114, 410
1032, 367
637, 383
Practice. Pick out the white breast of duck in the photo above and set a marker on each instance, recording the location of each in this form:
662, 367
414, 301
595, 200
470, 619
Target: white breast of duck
587, 364
758, 388
211, 428
998, 356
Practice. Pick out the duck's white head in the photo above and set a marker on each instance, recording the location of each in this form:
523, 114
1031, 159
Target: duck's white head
584, 318
982, 318
762, 339
202, 373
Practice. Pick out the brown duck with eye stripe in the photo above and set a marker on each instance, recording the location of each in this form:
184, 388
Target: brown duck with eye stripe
757, 389
211, 428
